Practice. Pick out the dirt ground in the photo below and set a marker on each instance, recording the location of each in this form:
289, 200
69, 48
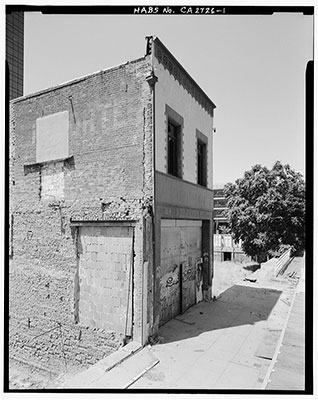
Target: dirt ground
226, 274
21, 378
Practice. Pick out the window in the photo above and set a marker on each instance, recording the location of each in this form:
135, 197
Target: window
174, 142
201, 153
201, 159
173, 153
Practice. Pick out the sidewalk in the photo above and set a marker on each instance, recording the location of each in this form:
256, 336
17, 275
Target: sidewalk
289, 365
229, 343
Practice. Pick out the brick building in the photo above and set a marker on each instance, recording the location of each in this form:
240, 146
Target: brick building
110, 209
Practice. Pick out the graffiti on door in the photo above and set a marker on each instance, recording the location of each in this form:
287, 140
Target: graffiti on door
187, 275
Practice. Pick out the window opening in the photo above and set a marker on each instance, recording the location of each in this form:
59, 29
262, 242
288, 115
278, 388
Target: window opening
201, 162
173, 149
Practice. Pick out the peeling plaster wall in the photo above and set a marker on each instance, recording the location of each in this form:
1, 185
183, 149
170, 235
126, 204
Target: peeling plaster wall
108, 176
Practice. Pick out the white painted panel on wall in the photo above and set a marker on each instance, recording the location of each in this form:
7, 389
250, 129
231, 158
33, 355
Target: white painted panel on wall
52, 137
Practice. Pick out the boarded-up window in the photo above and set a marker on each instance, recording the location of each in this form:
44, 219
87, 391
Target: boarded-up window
52, 137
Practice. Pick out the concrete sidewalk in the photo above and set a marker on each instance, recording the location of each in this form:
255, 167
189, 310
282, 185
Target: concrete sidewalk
229, 343
288, 366
119, 375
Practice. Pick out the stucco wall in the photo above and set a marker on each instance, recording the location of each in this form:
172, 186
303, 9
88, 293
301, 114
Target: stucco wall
195, 117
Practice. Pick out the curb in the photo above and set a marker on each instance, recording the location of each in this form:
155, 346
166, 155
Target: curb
135, 379
119, 356
103, 366
277, 351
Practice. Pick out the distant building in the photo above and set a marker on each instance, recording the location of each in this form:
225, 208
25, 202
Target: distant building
224, 247
15, 53
219, 210
111, 209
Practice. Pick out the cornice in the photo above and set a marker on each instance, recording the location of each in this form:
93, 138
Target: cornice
168, 61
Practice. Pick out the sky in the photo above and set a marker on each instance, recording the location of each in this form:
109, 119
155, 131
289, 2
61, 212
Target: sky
251, 67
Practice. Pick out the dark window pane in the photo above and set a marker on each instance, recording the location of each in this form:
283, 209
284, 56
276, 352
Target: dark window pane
201, 163
173, 147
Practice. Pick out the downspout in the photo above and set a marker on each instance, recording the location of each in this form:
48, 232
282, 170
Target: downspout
152, 79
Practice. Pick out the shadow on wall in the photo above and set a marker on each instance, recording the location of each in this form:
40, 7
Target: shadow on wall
236, 306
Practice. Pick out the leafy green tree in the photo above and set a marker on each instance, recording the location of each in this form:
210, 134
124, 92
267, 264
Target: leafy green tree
267, 209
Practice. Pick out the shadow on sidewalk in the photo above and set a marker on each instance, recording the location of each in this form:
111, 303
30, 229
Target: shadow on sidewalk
237, 306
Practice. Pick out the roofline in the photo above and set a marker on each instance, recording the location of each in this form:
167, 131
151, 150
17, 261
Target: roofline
73, 81
156, 39
80, 79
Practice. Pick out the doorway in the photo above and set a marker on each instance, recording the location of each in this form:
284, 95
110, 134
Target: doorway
227, 256
181, 242
105, 278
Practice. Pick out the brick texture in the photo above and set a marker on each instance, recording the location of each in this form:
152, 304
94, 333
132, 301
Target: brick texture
108, 176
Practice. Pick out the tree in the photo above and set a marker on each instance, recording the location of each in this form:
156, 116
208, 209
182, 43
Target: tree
267, 209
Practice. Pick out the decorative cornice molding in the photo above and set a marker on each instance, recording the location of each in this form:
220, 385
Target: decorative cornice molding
168, 61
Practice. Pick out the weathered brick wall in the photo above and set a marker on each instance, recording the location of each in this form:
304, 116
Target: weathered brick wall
108, 176
11, 172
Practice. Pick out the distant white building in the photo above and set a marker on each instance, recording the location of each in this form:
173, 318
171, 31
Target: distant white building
225, 248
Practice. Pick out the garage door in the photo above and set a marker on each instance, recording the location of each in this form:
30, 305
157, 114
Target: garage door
180, 260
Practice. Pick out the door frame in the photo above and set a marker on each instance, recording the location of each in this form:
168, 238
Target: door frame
75, 229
